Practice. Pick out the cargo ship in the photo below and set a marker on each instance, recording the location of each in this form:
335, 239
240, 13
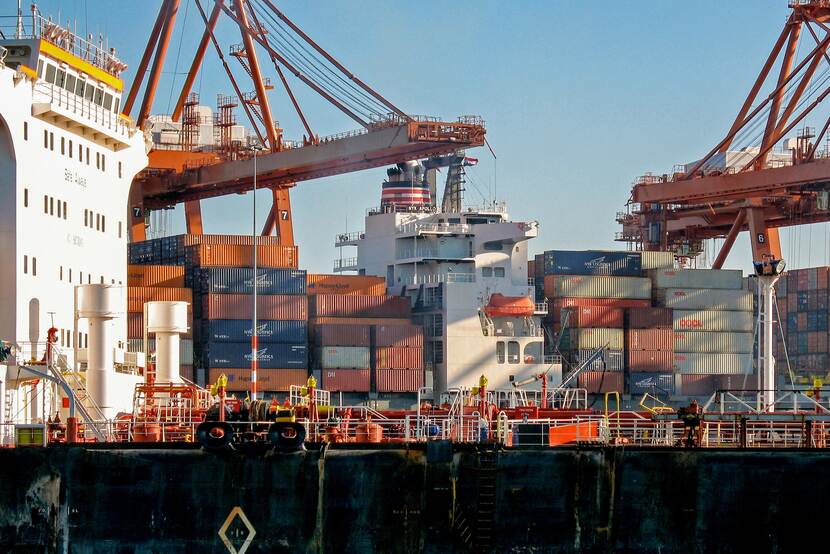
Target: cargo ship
440, 392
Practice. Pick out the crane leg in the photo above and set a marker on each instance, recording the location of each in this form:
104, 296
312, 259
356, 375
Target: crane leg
193, 217
730, 240
766, 244
279, 218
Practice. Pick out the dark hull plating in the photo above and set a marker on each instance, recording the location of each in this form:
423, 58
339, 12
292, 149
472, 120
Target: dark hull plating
434, 500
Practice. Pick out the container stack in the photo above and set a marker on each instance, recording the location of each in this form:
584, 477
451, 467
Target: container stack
802, 297
148, 283
668, 331
593, 289
712, 325
363, 339
219, 268
225, 310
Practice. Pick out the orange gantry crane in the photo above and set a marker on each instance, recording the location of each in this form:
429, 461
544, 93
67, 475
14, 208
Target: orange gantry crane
747, 182
188, 173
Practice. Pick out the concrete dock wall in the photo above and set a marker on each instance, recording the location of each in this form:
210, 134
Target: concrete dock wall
434, 499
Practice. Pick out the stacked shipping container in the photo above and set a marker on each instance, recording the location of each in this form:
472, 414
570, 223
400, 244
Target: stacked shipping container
219, 269
664, 327
363, 339
147, 283
802, 296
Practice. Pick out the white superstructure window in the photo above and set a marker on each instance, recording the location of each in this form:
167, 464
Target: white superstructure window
25, 198
70, 148
45, 204
34, 266
51, 141
25, 264
61, 274
513, 352
500, 352
25, 130
63, 146
498, 272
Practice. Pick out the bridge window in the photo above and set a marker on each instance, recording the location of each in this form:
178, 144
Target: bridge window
500, 352
486, 271
513, 352
50, 73
99, 96
498, 272
89, 93
79, 87
60, 80
107, 101
70, 83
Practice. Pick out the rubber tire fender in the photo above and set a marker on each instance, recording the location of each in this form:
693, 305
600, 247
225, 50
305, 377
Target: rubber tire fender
215, 435
287, 436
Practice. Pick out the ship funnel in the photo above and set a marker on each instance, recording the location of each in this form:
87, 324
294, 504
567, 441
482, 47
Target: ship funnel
167, 320
100, 304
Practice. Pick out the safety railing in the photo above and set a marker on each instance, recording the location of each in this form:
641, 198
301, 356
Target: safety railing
298, 396
81, 107
795, 400
442, 228
344, 238
433, 278
345, 264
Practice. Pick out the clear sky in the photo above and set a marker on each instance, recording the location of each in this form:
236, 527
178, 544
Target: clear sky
579, 99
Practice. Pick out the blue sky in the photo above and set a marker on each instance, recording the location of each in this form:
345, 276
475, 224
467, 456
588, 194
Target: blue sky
579, 99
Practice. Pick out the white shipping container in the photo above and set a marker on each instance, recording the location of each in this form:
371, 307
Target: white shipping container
597, 338
712, 320
342, 357
705, 299
697, 278
713, 364
601, 286
706, 342
657, 260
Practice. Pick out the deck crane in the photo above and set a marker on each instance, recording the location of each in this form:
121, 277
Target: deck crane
188, 174
742, 183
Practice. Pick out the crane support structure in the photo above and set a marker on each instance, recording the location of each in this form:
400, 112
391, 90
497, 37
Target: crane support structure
188, 173
750, 187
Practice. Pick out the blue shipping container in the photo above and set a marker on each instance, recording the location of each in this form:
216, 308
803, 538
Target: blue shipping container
269, 356
593, 262
232, 280
239, 330
657, 384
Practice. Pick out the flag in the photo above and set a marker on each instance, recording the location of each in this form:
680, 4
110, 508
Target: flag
470, 161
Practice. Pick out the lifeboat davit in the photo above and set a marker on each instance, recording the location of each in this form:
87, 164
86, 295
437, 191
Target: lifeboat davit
509, 306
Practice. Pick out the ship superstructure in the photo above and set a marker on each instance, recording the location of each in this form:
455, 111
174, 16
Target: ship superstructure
465, 272
67, 160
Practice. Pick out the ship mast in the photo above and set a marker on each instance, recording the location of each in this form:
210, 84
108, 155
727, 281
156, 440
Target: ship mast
19, 19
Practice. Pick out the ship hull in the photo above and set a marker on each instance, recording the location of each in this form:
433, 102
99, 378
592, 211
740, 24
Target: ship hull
421, 499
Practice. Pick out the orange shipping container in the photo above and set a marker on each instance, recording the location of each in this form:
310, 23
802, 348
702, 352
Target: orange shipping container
138, 296
344, 305
399, 380
391, 357
135, 325
192, 240
230, 255
399, 335
155, 276
362, 285
277, 380
281, 307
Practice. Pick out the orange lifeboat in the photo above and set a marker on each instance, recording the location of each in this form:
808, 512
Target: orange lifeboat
509, 306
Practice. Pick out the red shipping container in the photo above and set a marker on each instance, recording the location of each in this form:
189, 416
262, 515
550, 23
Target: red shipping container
400, 336
390, 357
802, 320
822, 278
358, 321
594, 316
346, 380
661, 361
650, 318
559, 303
650, 339
230, 255
399, 380
284, 307
596, 382
341, 335
698, 385
342, 305
138, 296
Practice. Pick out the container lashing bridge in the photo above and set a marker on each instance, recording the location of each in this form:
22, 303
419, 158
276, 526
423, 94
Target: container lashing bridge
188, 173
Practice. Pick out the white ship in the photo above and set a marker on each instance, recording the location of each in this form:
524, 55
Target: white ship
465, 270
67, 161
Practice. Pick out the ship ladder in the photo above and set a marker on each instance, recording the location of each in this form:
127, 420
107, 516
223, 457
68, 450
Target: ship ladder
486, 498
